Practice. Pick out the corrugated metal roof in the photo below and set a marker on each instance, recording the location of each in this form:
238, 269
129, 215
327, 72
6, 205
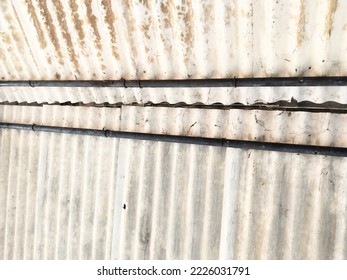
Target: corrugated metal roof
102, 39
94, 39
82, 197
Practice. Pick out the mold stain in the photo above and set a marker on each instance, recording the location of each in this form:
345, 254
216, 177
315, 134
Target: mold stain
300, 36
37, 25
66, 35
110, 21
330, 18
49, 24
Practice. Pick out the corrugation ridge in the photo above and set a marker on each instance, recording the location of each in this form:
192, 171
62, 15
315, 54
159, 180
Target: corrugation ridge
157, 200
170, 237
40, 194
76, 202
87, 194
12, 194
112, 182
54, 167
63, 200
20, 203
212, 215
231, 208
144, 203
5, 170
19, 42
131, 195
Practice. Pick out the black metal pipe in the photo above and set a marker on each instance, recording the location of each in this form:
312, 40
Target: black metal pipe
240, 144
231, 82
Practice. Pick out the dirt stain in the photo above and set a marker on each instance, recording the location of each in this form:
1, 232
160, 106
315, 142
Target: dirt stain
78, 23
93, 23
185, 13
21, 41
57, 76
36, 22
300, 36
66, 35
48, 21
330, 17
110, 20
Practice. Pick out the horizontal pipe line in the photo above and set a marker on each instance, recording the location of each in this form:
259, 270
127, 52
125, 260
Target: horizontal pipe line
240, 144
230, 82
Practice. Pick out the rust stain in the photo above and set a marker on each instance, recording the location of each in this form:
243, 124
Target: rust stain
57, 76
49, 59
93, 23
330, 17
78, 23
36, 22
5, 38
48, 21
110, 20
208, 17
187, 36
227, 19
300, 35
66, 35
26, 39
131, 26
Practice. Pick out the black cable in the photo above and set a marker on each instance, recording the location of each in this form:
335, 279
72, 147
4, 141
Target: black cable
240, 144
229, 82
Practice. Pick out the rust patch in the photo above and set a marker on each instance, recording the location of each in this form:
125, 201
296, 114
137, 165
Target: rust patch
66, 35
37, 25
330, 17
48, 21
300, 35
186, 13
25, 38
93, 23
227, 19
110, 20
165, 9
208, 16
78, 23
57, 76
5, 38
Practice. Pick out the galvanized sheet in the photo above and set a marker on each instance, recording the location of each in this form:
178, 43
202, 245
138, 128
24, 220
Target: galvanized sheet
81, 197
102, 39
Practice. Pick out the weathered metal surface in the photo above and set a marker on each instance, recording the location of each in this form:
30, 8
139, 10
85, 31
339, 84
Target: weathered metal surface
81, 197
99, 39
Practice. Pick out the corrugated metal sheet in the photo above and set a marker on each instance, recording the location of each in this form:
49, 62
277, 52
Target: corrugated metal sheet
102, 39
81, 197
